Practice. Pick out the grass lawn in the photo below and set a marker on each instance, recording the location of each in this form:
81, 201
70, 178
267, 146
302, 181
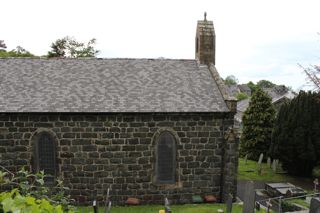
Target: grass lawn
249, 171
188, 208
300, 202
268, 175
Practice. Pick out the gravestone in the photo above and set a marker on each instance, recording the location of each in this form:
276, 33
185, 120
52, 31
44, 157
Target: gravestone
245, 159
229, 203
315, 205
260, 158
259, 169
259, 164
316, 183
274, 166
249, 198
269, 162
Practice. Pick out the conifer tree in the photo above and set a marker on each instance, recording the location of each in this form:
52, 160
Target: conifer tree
296, 137
258, 121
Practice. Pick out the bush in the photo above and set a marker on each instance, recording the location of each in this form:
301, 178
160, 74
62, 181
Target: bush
242, 96
30, 192
14, 202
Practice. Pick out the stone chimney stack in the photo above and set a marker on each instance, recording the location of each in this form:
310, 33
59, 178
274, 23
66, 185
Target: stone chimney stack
205, 41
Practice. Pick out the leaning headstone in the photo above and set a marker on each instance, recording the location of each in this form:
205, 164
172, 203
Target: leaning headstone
315, 205
269, 162
249, 198
229, 203
245, 159
274, 166
260, 158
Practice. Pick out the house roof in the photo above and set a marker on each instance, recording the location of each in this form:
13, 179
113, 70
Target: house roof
244, 88
243, 105
288, 95
107, 85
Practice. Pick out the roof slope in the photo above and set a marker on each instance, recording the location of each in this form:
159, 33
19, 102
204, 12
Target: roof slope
107, 85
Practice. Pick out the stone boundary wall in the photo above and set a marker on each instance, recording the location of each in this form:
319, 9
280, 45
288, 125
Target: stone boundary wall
97, 151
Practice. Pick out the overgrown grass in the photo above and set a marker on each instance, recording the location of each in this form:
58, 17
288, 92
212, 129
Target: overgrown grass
188, 208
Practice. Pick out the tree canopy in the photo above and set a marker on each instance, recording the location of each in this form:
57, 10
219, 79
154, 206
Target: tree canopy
231, 80
2, 44
242, 96
258, 120
265, 84
296, 137
17, 52
69, 47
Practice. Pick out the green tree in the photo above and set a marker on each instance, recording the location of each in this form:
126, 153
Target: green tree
2, 45
252, 86
68, 47
242, 96
265, 84
296, 136
258, 120
231, 80
15, 53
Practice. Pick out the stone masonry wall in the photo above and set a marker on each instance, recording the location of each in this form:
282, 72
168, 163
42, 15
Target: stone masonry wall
97, 151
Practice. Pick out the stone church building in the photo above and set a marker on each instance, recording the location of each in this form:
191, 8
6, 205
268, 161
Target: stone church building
146, 128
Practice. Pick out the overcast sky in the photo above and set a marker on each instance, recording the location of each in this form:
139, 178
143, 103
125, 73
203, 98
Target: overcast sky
256, 39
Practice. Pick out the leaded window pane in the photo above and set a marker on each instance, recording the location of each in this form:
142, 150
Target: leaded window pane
166, 158
46, 155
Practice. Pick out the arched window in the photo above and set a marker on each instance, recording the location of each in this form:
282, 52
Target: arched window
166, 158
45, 155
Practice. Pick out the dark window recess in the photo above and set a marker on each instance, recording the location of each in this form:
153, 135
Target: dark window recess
46, 156
166, 158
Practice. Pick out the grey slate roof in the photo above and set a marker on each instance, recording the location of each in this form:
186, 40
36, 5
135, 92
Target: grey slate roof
107, 85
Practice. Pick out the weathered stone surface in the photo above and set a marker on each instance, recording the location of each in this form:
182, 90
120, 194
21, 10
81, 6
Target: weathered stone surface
249, 202
315, 205
229, 204
97, 151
